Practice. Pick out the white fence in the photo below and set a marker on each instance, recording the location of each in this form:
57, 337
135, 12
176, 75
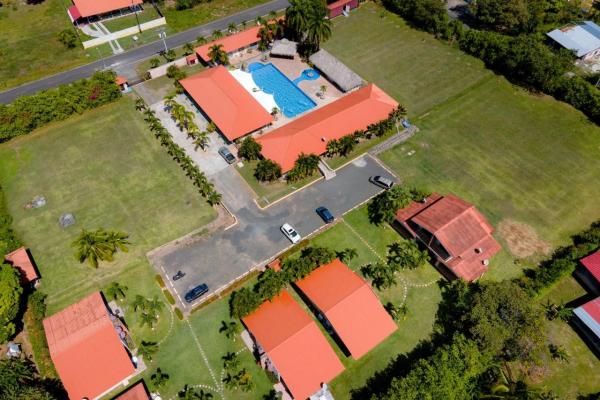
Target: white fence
162, 70
124, 33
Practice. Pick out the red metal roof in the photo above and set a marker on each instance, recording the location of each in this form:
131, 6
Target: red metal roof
592, 264
88, 8
86, 349
74, 13
135, 392
593, 309
294, 344
338, 3
20, 260
460, 228
226, 102
231, 43
310, 133
350, 305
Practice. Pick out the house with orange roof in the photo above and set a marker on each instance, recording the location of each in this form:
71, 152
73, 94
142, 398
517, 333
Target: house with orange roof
455, 232
225, 101
291, 345
21, 260
90, 10
88, 348
232, 44
346, 303
135, 392
310, 133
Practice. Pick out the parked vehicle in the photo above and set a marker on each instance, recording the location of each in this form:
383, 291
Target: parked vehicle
178, 275
226, 154
382, 182
325, 214
196, 292
290, 233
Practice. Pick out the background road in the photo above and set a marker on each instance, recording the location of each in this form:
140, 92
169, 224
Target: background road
138, 54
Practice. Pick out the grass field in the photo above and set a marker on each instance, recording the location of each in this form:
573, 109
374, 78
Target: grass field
109, 171
116, 24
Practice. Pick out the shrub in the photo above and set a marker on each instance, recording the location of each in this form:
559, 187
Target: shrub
169, 297
179, 314
159, 280
154, 62
250, 149
36, 311
383, 207
267, 170
8, 238
68, 38
10, 298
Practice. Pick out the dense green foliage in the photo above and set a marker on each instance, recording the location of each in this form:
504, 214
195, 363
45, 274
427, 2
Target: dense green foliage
384, 206
249, 149
305, 166
267, 170
523, 59
244, 301
29, 112
307, 23
19, 380
68, 38
10, 299
406, 255
35, 314
99, 245
8, 238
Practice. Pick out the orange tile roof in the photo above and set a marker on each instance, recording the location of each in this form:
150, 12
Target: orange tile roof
350, 306
226, 102
310, 133
135, 392
294, 344
230, 43
86, 349
120, 80
88, 8
461, 229
20, 260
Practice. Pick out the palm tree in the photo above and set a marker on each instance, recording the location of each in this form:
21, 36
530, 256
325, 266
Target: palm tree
188, 48
318, 27
230, 361
93, 246
230, 329
116, 291
140, 104
201, 139
231, 28
147, 349
170, 102
155, 306
296, 17
217, 34
159, 378
148, 318
214, 198
139, 303
218, 55
189, 393
347, 254
201, 40
118, 240
272, 15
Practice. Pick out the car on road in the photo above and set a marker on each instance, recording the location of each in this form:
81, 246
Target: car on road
290, 233
196, 292
381, 181
325, 214
226, 154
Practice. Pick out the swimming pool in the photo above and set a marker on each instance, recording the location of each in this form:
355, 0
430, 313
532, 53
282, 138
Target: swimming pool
289, 98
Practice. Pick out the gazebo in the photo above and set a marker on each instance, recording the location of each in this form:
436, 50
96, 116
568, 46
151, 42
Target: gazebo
284, 48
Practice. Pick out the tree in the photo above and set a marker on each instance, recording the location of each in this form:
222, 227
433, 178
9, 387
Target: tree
296, 16
230, 361
346, 145
155, 306
396, 311
406, 255
305, 166
99, 245
218, 55
346, 255
381, 275
505, 16
384, 206
332, 147
558, 353
115, 291
170, 55
10, 298
68, 38
159, 378
189, 393
231, 28
19, 380
242, 302
217, 34
267, 170
139, 303
148, 318
147, 349
188, 48
240, 380
318, 26
250, 149
140, 104
154, 62
201, 140
229, 329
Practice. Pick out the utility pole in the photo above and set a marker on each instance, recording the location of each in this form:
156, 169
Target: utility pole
136, 17
163, 36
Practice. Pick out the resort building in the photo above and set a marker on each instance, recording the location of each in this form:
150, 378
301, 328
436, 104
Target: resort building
458, 236
336, 71
310, 132
290, 344
83, 11
581, 38
588, 322
232, 44
88, 348
589, 272
23, 262
135, 392
226, 102
346, 303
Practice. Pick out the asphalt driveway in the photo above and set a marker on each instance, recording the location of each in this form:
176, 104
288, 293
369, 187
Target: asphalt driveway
225, 255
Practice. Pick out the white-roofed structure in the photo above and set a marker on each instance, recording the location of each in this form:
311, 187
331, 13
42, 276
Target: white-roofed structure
582, 38
336, 71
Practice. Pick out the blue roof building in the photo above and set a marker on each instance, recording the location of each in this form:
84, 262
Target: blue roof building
582, 38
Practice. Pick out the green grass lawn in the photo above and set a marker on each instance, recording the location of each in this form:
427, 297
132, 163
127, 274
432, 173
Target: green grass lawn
411, 66
116, 24
107, 169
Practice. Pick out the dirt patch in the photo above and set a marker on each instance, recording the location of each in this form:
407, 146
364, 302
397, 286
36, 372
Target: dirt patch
522, 240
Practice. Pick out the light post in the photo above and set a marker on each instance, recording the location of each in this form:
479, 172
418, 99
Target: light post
136, 16
163, 36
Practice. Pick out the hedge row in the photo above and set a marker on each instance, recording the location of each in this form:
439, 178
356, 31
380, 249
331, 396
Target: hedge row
523, 59
8, 238
36, 311
30, 112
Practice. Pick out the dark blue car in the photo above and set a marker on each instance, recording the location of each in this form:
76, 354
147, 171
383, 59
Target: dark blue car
325, 214
196, 292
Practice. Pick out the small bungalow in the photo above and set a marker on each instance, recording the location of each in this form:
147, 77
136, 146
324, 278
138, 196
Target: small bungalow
346, 304
588, 272
582, 38
284, 48
341, 7
88, 346
135, 392
290, 344
588, 323
232, 44
336, 71
86, 11
457, 235
21, 260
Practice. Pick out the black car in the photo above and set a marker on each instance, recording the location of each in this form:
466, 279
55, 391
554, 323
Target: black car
325, 214
226, 154
382, 182
196, 292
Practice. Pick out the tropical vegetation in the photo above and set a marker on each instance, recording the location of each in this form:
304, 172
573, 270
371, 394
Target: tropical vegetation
267, 170
19, 379
249, 149
308, 23
99, 245
383, 207
218, 55
10, 300
304, 166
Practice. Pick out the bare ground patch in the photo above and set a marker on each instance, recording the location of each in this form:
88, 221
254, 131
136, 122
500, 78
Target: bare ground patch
522, 240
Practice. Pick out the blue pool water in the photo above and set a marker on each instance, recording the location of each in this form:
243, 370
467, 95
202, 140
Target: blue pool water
289, 98
307, 75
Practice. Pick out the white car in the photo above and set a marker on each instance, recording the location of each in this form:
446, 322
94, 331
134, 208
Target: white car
290, 233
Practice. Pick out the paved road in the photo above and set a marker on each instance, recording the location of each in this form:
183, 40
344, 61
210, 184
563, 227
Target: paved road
140, 53
225, 255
